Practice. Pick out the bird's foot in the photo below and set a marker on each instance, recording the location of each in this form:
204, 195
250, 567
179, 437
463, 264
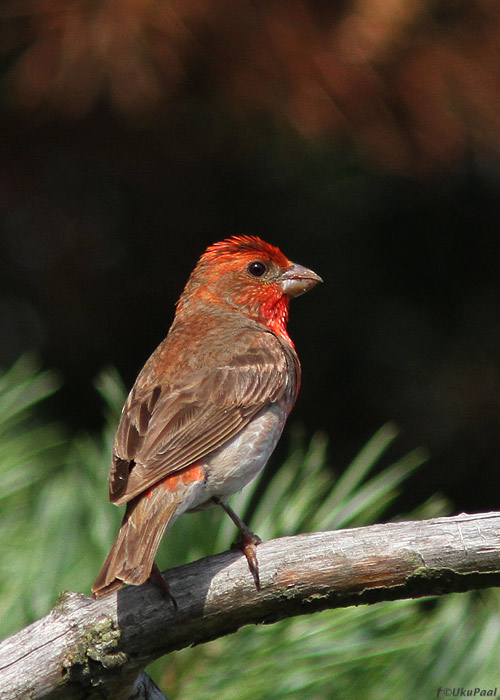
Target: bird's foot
247, 541
157, 579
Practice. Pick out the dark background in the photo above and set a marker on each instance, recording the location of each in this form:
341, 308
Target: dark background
362, 139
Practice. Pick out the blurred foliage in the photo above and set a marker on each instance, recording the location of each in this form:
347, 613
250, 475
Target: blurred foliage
413, 84
57, 526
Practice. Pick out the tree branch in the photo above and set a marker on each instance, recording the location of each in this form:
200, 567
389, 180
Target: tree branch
97, 648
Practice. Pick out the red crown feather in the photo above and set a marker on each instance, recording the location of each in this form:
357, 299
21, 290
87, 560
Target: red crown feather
245, 244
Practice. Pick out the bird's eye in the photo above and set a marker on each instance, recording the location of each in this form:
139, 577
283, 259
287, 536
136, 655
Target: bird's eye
257, 268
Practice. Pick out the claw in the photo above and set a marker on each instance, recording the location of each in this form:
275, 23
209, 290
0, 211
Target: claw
247, 541
249, 549
157, 579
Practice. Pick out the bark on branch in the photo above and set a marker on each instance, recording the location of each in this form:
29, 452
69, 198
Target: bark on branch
97, 649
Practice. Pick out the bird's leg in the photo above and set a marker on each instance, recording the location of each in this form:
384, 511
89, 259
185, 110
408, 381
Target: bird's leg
247, 542
157, 579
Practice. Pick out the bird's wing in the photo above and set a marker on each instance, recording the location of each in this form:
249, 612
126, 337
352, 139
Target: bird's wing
167, 428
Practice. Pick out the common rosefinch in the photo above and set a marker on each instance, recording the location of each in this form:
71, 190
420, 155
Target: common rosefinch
209, 406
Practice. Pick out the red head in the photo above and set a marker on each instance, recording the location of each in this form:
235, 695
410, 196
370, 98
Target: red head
248, 275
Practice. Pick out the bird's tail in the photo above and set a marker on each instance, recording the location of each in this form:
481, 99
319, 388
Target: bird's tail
132, 555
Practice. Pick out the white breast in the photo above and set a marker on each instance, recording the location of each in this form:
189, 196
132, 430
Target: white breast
235, 464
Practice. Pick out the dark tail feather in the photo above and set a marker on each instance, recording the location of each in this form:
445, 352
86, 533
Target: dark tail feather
132, 555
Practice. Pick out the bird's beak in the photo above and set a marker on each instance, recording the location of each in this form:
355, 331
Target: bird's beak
298, 279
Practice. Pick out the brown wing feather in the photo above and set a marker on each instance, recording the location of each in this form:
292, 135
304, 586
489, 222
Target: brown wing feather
167, 428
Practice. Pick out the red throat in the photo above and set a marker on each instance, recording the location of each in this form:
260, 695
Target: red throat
275, 315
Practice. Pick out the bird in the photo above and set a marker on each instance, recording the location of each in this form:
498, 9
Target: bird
208, 407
